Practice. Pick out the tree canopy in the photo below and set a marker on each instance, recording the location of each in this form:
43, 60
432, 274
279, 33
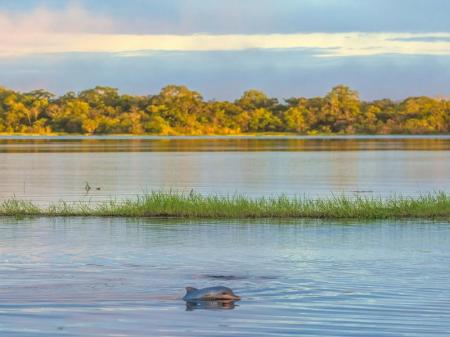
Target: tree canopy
177, 110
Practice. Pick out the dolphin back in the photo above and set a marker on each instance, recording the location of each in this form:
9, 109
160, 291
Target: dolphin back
190, 293
208, 294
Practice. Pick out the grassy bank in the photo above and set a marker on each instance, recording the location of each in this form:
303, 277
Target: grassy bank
180, 205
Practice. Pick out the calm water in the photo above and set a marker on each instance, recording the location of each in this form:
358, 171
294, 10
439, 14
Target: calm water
113, 277
118, 277
50, 169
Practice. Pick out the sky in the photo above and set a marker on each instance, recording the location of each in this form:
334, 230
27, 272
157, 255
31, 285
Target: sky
382, 48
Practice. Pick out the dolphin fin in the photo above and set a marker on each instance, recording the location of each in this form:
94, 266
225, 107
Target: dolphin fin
190, 289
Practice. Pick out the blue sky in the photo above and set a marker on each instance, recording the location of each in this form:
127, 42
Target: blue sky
284, 47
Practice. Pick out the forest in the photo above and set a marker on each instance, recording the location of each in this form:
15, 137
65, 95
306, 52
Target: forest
177, 110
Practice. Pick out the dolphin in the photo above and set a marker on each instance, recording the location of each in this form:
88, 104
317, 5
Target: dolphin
210, 294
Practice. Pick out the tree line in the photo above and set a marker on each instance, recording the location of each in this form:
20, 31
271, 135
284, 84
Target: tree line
177, 110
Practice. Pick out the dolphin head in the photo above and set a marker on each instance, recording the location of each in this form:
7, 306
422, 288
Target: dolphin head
210, 294
223, 294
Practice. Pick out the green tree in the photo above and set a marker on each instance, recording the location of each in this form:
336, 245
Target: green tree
180, 107
177, 110
340, 110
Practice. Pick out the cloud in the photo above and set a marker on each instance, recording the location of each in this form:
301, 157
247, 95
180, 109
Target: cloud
425, 39
42, 21
258, 16
76, 30
329, 44
225, 75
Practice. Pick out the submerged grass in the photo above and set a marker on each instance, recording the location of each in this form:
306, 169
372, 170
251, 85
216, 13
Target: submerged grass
184, 205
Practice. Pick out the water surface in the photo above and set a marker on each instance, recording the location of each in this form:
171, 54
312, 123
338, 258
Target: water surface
48, 169
115, 277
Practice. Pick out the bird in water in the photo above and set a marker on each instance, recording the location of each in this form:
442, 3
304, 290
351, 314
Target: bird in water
87, 187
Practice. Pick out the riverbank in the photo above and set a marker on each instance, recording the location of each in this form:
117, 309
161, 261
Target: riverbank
192, 205
248, 135
179, 135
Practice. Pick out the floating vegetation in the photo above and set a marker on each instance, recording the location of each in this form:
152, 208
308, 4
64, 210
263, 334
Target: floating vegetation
194, 205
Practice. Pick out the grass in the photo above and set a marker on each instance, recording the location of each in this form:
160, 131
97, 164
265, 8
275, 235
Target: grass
192, 205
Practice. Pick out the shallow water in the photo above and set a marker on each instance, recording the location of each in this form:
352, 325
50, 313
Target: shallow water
50, 169
115, 277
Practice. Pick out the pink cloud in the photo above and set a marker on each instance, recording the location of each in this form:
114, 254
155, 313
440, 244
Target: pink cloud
73, 19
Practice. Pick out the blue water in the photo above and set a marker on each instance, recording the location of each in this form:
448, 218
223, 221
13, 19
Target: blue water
116, 277
47, 170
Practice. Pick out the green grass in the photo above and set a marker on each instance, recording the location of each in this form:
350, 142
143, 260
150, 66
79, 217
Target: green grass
184, 205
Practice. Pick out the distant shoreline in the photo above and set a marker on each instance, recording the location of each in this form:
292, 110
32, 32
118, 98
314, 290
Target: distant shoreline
20, 136
177, 110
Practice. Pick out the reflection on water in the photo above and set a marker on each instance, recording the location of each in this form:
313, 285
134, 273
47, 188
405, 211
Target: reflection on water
46, 170
210, 305
99, 277
228, 143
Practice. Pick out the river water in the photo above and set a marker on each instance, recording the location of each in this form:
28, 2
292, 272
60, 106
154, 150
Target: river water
126, 277
50, 169
116, 277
